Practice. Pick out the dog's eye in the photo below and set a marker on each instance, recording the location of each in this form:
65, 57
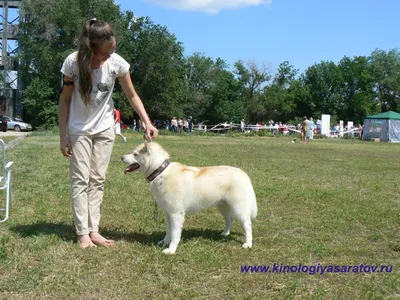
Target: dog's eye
135, 154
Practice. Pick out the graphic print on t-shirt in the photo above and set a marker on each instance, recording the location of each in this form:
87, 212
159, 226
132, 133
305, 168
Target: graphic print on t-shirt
99, 93
102, 90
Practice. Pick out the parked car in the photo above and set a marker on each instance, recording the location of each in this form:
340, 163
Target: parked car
3, 123
17, 124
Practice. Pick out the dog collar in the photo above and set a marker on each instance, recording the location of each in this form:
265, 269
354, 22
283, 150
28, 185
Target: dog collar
157, 172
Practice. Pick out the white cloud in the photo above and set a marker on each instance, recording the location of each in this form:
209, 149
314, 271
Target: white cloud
208, 6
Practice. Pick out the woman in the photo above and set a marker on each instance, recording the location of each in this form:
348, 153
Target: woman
311, 129
87, 123
304, 128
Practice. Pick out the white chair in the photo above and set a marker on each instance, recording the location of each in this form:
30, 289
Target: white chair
5, 184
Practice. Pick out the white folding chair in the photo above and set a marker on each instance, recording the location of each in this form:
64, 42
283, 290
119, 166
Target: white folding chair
5, 184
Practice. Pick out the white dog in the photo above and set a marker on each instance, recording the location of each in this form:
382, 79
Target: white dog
181, 190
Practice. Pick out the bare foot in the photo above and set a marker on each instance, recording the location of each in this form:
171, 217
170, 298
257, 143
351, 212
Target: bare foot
100, 240
84, 241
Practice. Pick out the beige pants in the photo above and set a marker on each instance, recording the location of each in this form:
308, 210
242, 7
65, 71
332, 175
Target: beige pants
88, 166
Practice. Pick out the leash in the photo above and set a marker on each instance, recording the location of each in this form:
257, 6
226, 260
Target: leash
151, 178
155, 213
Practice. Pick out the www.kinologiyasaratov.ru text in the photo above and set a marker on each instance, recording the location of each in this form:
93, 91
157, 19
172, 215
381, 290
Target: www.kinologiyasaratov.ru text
315, 269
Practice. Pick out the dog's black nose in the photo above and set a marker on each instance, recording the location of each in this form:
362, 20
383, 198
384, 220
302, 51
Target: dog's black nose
122, 158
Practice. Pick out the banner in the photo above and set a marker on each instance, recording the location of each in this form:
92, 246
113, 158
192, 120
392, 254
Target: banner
341, 127
325, 126
350, 125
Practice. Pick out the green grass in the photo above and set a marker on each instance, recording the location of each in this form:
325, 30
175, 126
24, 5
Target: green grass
8, 139
332, 202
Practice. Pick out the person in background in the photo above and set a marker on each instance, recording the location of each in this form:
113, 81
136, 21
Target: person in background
174, 125
167, 124
304, 128
134, 125
319, 125
242, 125
180, 125
185, 125
117, 124
311, 129
190, 124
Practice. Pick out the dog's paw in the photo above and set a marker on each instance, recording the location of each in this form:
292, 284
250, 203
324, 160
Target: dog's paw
246, 245
163, 243
168, 251
224, 233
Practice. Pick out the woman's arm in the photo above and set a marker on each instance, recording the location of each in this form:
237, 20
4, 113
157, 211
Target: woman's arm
63, 113
137, 104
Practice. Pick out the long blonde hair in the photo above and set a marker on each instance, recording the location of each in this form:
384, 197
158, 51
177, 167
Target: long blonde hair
94, 33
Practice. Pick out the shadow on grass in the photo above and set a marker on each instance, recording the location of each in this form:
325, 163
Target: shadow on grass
66, 232
152, 238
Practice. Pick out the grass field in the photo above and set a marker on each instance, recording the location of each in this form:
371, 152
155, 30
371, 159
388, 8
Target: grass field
332, 202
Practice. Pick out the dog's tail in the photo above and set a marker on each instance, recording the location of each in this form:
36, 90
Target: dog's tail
253, 200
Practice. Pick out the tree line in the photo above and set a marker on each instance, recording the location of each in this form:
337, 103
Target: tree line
172, 84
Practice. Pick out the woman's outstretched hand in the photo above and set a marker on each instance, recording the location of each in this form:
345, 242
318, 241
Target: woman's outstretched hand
151, 131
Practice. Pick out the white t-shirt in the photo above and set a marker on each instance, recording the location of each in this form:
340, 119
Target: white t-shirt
98, 115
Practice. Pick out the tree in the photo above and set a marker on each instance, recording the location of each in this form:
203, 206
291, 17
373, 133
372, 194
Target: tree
226, 104
251, 78
357, 94
158, 68
198, 81
171, 84
39, 104
282, 94
384, 69
324, 83
285, 75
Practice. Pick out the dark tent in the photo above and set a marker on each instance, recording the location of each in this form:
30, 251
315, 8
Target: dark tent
384, 126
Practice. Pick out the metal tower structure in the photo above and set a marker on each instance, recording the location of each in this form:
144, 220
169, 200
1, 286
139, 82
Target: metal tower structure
10, 85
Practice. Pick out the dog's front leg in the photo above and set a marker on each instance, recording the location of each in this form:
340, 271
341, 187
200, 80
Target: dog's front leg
167, 239
176, 220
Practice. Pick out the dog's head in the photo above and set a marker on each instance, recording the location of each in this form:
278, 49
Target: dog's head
146, 158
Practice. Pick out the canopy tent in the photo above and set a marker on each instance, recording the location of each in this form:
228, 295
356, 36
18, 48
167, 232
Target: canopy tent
384, 126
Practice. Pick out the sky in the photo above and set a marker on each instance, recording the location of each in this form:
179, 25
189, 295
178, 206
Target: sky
270, 32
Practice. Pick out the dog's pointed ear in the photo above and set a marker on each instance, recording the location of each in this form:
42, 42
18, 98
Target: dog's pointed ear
146, 145
147, 142
146, 139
